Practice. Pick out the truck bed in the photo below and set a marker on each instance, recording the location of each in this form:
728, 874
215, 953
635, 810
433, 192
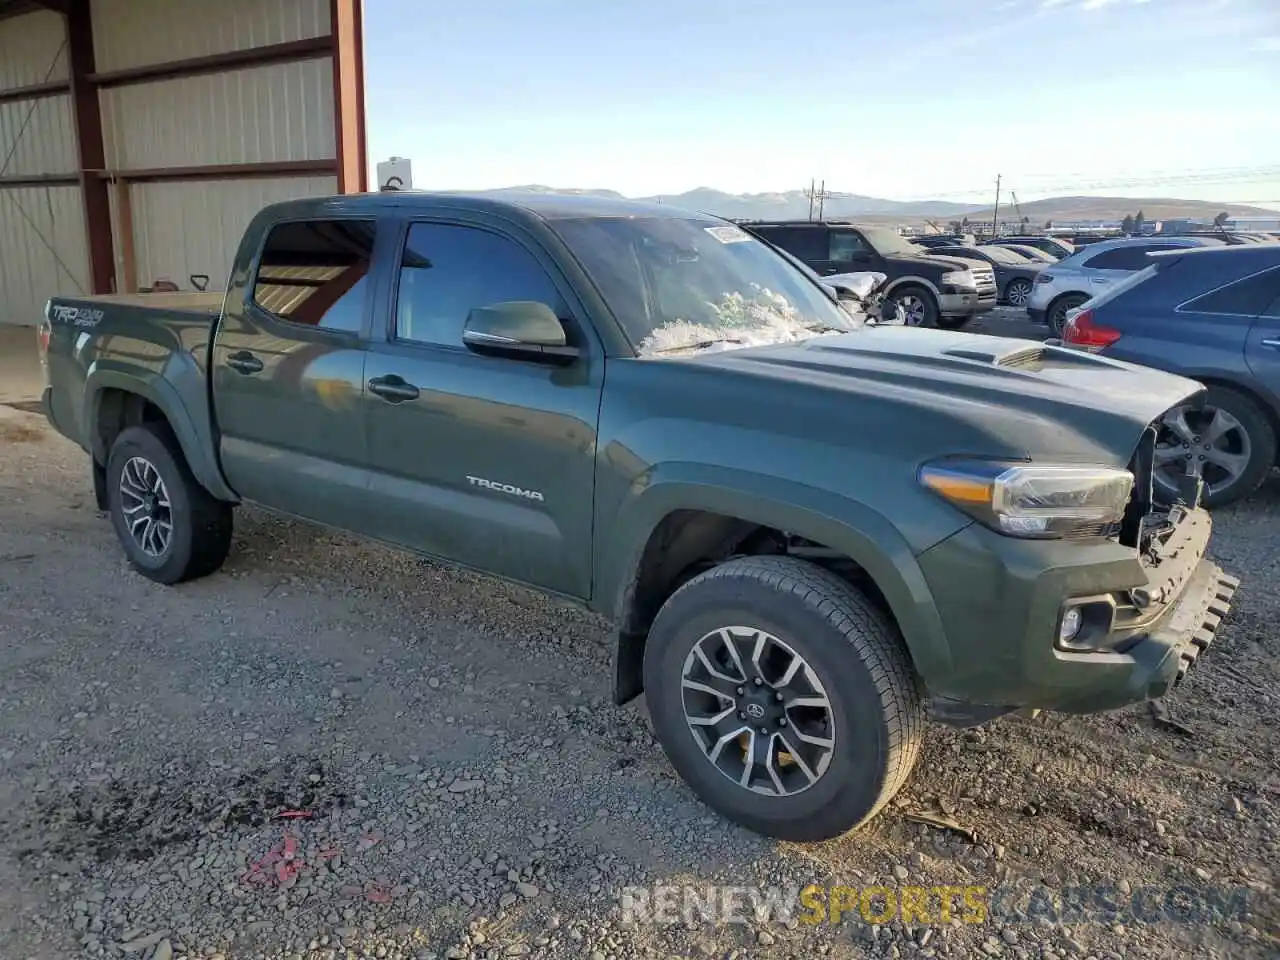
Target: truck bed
157, 340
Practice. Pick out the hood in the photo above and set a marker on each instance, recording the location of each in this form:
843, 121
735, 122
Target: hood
950, 262
982, 395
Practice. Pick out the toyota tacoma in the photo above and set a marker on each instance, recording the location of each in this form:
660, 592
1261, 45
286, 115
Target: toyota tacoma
813, 535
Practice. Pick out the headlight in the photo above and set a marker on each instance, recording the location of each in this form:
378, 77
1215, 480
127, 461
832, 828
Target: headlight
959, 278
1034, 500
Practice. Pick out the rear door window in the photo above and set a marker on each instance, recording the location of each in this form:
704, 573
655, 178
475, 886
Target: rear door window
805, 243
313, 273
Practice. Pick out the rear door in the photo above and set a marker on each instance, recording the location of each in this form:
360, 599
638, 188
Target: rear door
1262, 351
482, 460
288, 370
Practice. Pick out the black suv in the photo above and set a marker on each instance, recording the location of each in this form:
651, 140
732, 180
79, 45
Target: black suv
934, 291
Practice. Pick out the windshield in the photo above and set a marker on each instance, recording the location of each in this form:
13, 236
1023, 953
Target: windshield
678, 284
999, 253
887, 243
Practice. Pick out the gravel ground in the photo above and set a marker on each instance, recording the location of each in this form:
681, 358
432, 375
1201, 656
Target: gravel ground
330, 750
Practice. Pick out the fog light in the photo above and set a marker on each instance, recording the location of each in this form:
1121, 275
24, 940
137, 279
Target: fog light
1070, 626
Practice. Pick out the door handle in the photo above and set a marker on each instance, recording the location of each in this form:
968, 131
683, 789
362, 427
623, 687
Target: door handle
244, 362
1273, 342
1098, 280
393, 388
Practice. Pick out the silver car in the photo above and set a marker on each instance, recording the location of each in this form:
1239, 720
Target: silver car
1071, 281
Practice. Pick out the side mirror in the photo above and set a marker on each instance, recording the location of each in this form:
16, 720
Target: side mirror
521, 329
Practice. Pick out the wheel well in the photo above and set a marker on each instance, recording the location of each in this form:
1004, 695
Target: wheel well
117, 411
1268, 411
685, 543
1062, 296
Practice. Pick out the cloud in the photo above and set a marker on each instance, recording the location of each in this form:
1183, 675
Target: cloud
1087, 4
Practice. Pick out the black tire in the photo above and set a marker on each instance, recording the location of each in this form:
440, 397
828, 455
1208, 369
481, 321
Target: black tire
856, 652
1018, 289
928, 304
1056, 312
201, 524
1261, 439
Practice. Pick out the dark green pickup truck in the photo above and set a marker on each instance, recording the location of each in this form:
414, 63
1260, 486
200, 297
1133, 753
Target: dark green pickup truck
811, 535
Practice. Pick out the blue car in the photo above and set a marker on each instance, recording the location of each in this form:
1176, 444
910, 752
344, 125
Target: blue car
1212, 314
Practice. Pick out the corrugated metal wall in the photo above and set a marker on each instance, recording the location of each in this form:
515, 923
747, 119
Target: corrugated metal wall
42, 236
272, 113
130, 33
186, 228
278, 112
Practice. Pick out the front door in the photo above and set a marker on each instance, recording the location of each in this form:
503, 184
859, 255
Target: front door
484, 461
288, 372
1262, 351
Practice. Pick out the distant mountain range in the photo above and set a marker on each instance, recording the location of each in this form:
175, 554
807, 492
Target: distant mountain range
792, 204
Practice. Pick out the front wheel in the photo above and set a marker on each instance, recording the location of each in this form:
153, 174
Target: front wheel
918, 304
783, 697
171, 528
1227, 442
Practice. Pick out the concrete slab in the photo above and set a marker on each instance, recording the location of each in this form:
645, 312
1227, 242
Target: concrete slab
21, 379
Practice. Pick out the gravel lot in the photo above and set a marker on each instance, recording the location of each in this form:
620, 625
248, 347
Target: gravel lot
466, 789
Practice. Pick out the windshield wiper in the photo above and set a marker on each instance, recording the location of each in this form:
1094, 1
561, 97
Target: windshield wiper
700, 344
826, 328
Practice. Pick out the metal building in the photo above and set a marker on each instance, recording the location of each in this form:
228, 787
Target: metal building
137, 137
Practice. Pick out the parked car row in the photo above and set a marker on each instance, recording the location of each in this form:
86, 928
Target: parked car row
933, 290
1211, 313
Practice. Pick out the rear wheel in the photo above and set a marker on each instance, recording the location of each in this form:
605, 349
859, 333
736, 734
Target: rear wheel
920, 306
171, 528
1017, 293
783, 697
1056, 314
1228, 442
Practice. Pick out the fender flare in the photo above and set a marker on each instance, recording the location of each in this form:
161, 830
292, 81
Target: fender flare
196, 443
918, 281
855, 530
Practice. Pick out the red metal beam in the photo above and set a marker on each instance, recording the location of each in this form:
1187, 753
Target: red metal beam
88, 119
226, 171
346, 19
40, 180
309, 49
35, 91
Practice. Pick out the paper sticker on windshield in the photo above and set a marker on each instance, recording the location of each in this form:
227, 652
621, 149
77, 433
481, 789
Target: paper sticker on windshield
728, 234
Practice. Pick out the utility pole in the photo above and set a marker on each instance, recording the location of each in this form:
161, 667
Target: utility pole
995, 214
819, 194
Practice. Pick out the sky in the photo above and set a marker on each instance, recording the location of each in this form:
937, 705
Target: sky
903, 99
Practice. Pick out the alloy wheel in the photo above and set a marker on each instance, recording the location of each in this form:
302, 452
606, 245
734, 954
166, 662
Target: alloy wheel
144, 501
758, 711
1018, 293
1208, 443
914, 308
